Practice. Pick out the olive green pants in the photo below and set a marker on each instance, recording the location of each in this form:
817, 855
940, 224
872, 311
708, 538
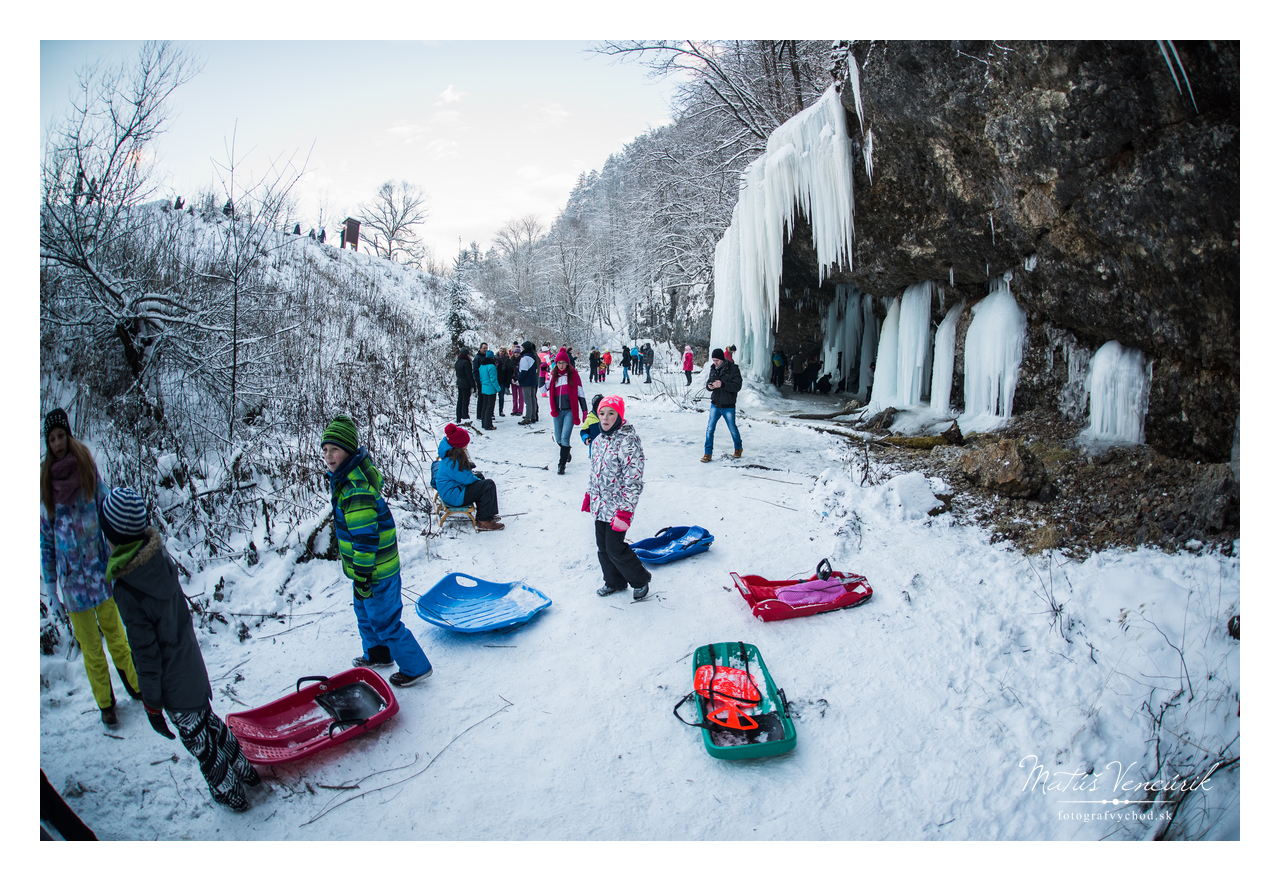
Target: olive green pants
104, 617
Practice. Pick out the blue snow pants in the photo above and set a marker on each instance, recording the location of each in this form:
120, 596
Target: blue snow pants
379, 620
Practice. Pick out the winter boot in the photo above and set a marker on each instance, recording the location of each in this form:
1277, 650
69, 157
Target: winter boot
379, 656
564, 457
706, 458
607, 590
737, 454
489, 526
109, 716
639, 593
399, 680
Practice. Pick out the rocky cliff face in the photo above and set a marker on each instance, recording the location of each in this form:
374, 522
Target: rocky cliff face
1084, 169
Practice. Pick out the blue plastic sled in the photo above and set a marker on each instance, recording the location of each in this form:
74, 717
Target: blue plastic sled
465, 604
673, 543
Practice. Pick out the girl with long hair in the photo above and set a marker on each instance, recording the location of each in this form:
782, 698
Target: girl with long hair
73, 561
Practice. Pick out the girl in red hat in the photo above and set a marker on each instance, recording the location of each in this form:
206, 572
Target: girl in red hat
568, 404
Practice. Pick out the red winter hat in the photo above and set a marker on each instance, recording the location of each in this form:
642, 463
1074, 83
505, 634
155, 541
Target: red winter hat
457, 437
563, 355
615, 403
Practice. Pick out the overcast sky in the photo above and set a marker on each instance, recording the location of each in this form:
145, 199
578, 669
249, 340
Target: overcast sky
491, 130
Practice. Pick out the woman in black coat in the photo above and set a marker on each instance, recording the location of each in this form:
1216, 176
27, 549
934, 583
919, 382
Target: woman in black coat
462, 367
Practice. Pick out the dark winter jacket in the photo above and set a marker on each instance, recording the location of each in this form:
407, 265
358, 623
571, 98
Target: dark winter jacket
171, 671
725, 397
626, 358
529, 365
466, 379
504, 365
362, 521
475, 368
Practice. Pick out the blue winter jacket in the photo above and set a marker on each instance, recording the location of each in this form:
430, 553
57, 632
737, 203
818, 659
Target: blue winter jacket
450, 482
489, 378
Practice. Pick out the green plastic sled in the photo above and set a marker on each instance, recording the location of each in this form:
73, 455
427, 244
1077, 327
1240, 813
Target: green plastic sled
775, 734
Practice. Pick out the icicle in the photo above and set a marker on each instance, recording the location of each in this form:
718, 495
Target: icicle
807, 165
913, 343
944, 361
1119, 385
953, 276
1030, 263
992, 356
867, 350
884, 390
857, 92
866, 154
992, 218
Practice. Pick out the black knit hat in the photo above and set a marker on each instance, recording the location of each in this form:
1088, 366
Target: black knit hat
718, 354
342, 432
57, 418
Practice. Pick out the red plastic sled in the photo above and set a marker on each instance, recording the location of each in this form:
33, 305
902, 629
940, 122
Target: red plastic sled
845, 590
314, 718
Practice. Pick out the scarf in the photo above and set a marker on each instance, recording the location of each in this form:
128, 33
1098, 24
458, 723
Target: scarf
66, 480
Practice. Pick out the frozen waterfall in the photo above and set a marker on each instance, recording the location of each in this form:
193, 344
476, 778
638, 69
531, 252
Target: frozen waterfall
903, 359
808, 164
992, 355
944, 361
1119, 383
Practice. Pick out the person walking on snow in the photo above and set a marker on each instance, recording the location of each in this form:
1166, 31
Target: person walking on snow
460, 485
366, 534
528, 378
613, 491
646, 352
724, 382
626, 365
171, 671
568, 404
73, 562
687, 366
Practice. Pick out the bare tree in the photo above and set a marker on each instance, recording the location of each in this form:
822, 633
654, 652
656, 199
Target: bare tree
388, 222
94, 176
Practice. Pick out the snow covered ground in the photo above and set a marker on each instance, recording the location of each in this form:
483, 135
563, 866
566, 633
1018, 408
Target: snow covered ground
952, 706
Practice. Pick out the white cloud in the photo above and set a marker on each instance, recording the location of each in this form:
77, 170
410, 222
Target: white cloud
447, 119
545, 114
449, 96
408, 132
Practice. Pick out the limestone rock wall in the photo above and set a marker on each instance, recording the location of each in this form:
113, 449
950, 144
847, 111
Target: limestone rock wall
1087, 156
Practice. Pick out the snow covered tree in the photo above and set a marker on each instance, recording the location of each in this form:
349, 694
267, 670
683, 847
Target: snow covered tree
389, 221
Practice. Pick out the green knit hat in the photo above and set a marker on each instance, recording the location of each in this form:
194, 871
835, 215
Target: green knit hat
342, 432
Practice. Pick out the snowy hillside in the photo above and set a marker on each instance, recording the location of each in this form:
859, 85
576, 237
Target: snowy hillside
956, 705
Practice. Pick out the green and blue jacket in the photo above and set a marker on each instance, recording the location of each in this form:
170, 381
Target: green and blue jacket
365, 528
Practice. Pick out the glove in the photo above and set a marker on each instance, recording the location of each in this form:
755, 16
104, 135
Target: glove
586, 502
479, 475
364, 588
156, 718
621, 521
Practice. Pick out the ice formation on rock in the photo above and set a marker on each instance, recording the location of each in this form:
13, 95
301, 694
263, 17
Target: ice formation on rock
992, 355
903, 383
844, 334
1119, 383
807, 165
944, 360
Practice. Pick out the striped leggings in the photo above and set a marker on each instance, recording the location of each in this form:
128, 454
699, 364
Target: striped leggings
215, 747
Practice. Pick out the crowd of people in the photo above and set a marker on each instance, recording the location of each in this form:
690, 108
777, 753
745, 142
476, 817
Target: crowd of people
108, 576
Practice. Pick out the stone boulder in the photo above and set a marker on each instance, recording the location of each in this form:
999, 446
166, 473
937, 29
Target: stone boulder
1007, 468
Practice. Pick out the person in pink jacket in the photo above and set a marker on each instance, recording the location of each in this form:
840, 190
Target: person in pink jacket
568, 404
688, 365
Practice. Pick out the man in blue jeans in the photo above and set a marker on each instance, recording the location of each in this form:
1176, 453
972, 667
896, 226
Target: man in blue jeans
724, 383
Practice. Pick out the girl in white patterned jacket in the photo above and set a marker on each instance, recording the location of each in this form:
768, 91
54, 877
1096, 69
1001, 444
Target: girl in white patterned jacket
617, 479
